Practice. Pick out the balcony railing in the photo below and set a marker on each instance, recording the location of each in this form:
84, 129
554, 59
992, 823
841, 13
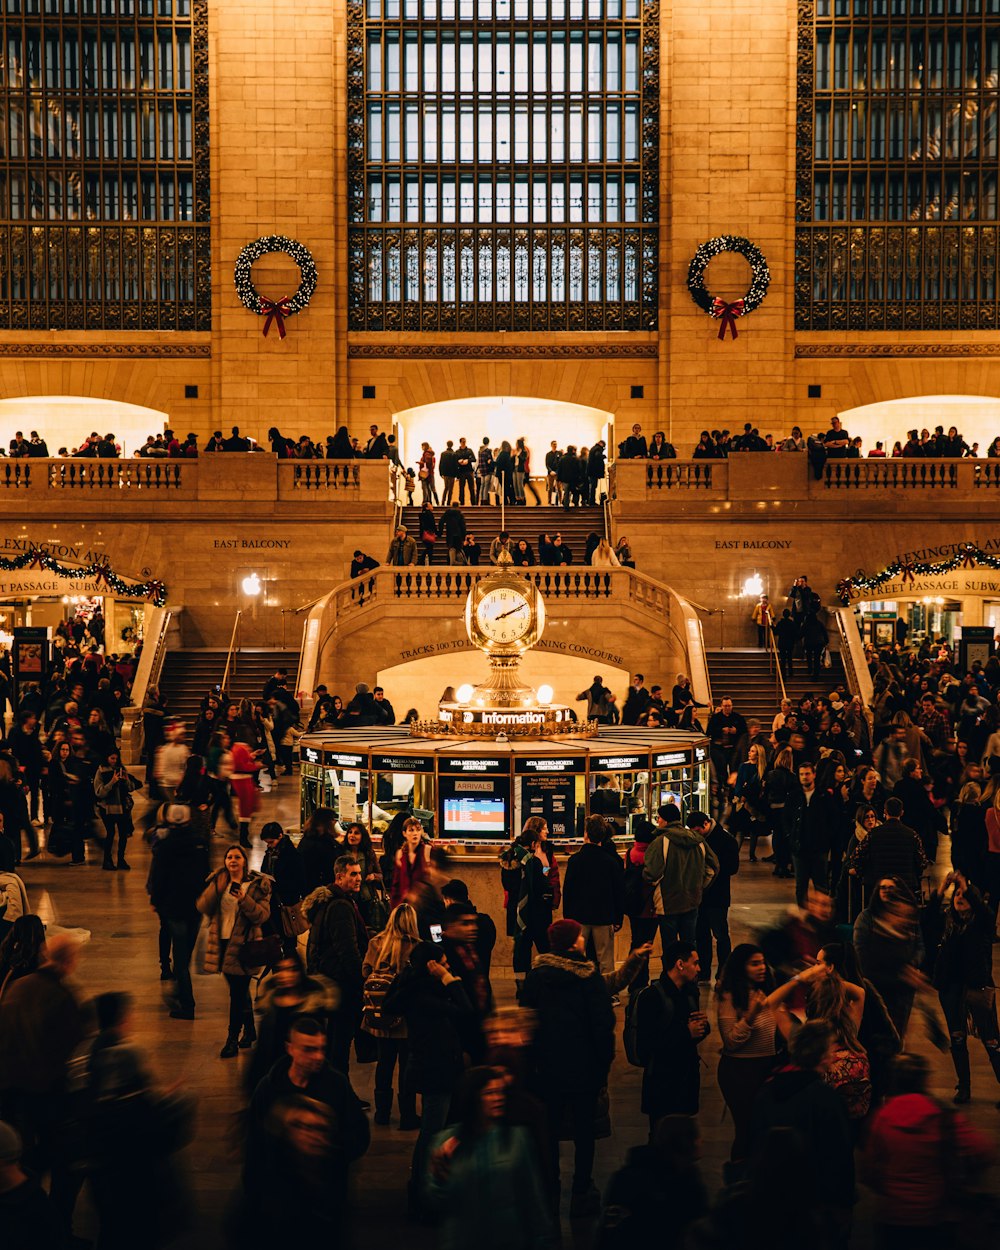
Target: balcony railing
259, 478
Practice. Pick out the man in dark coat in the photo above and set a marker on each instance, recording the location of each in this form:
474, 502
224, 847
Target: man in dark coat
23, 743
670, 1028
797, 1097
283, 863
636, 701
177, 877
634, 447
452, 525
338, 940
573, 1048
593, 891
786, 635
303, 1073
892, 849
713, 911
461, 921
361, 710
384, 710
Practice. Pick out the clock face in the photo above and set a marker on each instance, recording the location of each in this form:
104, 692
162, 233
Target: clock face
504, 615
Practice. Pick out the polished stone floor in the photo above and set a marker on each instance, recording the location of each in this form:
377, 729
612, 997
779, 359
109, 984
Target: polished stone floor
121, 953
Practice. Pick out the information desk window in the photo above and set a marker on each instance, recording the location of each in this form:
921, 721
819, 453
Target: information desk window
619, 789
684, 784
555, 788
338, 780
402, 783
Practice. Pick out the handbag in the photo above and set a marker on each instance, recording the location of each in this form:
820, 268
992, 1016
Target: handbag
429, 536
422, 472
262, 952
293, 922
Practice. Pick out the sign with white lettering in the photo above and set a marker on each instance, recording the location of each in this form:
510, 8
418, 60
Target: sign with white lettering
666, 759
469, 764
550, 764
618, 763
403, 763
343, 759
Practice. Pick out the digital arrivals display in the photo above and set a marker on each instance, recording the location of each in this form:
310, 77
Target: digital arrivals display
472, 816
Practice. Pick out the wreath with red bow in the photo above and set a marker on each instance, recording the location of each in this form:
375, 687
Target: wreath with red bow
724, 311
288, 305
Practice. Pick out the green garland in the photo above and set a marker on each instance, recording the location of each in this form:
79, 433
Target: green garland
101, 571
968, 556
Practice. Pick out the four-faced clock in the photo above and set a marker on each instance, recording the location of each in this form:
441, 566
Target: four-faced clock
504, 615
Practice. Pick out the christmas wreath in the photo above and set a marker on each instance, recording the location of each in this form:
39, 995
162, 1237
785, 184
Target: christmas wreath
288, 305
712, 304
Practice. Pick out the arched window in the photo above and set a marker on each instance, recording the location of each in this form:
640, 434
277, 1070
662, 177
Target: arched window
896, 202
503, 164
104, 165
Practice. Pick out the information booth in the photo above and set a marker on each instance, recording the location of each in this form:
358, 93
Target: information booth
477, 792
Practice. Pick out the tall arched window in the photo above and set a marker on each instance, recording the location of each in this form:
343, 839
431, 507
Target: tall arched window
896, 197
104, 165
503, 164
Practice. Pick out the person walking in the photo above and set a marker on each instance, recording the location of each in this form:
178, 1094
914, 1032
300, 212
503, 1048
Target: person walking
573, 1047
337, 942
177, 873
387, 955
713, 910
114, 786
526, 876
235, 903
594, 891
679, 865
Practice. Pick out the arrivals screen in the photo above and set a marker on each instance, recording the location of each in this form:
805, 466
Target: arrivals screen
472, 816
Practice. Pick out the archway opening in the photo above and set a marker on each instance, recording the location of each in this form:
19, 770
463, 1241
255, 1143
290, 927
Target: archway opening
976, 417
538, 421
67, 420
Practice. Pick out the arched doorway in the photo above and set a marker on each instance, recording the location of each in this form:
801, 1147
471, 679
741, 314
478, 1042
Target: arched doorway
976, 417
538, 421
66, 420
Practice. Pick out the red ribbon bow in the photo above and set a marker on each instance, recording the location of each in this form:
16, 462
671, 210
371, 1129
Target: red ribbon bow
907, 572
969, 558
101, 575
37, 559
728, 314
276, 311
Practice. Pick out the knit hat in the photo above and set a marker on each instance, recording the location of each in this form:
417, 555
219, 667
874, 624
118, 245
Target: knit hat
563, 935
175, 814
361, 688
11, 1147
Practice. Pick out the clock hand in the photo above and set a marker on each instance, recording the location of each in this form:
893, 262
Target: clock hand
511, 612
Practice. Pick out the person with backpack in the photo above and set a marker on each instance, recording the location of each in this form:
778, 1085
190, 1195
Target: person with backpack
679, 864
387, 955
669, 1026
713, 911
526, 874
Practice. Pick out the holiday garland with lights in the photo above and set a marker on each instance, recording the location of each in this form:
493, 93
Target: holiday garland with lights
288, 305
719, 308
100, 571
968, 556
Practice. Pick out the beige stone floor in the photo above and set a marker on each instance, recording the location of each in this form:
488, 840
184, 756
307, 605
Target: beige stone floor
121, 953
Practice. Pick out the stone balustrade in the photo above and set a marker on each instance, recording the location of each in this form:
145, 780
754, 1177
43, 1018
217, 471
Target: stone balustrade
148, 486
747, 481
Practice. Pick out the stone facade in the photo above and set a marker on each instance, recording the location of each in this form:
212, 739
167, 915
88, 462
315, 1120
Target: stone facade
278, 162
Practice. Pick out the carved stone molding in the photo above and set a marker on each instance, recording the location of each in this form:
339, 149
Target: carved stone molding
81, 351
814, 351
506, 351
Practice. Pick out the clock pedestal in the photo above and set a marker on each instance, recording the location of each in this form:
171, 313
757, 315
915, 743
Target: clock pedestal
504, 688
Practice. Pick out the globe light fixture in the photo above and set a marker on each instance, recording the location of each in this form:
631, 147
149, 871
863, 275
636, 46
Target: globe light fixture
465, 693
251, 585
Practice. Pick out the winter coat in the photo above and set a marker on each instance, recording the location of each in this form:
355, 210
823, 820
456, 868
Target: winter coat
318, 853
284, 865
321, 1000
41, 1025
529, 891
435, 1016
801, 1100
653, 1202
575, 1036
492, 1196
669, 1054
252, 910
114, 798
679, 864
965, 956
337, 939
177, 873
406, 876
245, 770
908, 1139
891, 849
725, 848
594, 887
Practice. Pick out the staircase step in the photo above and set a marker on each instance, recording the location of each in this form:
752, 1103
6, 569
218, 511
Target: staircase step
575, 525
189, 675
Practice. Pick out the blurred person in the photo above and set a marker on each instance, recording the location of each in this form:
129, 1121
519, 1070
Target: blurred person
594, 890
572, 1051
282, 864
713, 910
387, 955
840, 1003
288, 994
177, 874
963, 975
21, 950
484, 1174
525, 875
235, 903
435, 1006
26, 1214
913, 1145
319, 848
459, 946
890, 947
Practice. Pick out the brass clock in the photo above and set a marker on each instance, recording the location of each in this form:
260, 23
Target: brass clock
504, 613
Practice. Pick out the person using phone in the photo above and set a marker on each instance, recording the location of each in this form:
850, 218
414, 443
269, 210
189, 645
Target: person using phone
235, 903
113, 788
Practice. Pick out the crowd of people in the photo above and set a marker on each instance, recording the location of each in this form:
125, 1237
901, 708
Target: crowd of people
381, 953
